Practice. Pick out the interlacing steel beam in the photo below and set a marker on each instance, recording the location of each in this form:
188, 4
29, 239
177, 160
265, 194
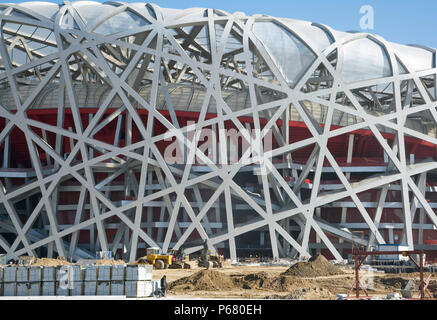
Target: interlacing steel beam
104, 119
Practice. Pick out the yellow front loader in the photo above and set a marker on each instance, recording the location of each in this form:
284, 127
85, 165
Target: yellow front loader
156, 258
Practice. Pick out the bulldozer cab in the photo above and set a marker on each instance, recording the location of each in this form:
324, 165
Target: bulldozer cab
153, 251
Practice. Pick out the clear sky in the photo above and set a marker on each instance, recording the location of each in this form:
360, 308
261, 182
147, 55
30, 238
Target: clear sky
402, 21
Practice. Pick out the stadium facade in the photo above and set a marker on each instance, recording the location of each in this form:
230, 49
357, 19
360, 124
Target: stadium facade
125, 126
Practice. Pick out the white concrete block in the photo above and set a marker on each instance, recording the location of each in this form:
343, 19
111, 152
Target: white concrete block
118, 272
10, 274
34, 288
75, 273
117, 288
22, 289
9, 289
139, 273
48, 288
90, 273
103, 288
139, 289
22, 274
76, 289
62, 289
90, 288
49, 274
104, 273
35, 274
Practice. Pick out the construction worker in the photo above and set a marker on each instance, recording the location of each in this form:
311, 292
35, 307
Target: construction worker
163, 285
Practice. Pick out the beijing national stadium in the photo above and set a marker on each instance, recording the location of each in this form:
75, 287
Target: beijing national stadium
130, 126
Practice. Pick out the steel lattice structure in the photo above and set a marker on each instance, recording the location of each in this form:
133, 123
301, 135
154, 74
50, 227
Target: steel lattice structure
92, 96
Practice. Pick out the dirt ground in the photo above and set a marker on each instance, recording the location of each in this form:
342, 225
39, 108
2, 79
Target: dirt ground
272, 282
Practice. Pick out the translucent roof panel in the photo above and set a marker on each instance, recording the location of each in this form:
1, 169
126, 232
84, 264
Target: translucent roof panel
171, 14
184, 16
126, 20
364, 59
291, 56
92, 12
416, 59
315, 37
46, 9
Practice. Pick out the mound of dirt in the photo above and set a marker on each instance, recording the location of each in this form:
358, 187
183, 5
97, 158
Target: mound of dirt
109, 262
317, 266
48, 262
283, 283
207, 280
433, 288
396, 282
312, 293
252, 280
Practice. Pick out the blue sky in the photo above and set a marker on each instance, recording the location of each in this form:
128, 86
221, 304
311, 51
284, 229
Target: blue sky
402, 21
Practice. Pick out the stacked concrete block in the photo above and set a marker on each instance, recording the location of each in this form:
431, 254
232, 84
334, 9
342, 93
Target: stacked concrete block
103, 288
117, 280
35, 274
49, 274
139, 281
117, 288
90, 280
104, 280
9, 289
90, 273
48, 288
139, 289
22, 274
76, 277
22, 289
10, 274
75, 273
139, 272
34, 289
117, 272
104, 273
22, 278
10, 281
89, 288
76, 288
62, 288
35, 278
48, 285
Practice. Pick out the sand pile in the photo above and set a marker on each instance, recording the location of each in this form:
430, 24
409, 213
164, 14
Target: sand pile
317, 266
283, 283
432, 288
106, 262
252, 281
48, 262
208, 280
311, 293
396, 282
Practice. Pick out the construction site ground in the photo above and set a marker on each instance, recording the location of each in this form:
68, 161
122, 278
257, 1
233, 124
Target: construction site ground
269, 282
